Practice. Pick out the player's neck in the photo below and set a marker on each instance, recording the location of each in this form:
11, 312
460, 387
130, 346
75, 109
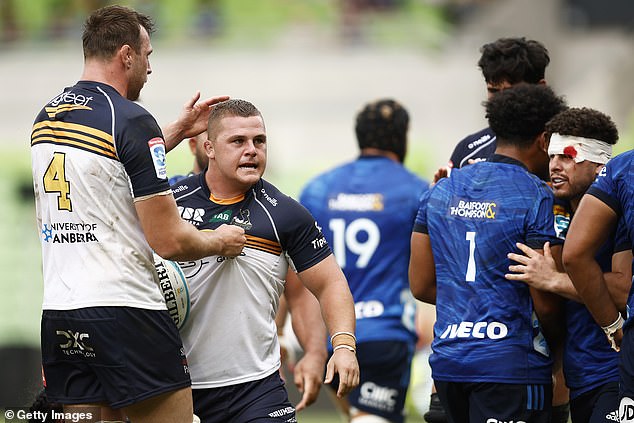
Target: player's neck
371, 151
104, 71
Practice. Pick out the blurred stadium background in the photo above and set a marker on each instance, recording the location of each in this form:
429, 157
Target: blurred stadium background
309, 66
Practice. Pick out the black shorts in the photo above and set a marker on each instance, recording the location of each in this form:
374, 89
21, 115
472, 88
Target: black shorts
384, 378
113, 355
599, 405
495, 402
264, 400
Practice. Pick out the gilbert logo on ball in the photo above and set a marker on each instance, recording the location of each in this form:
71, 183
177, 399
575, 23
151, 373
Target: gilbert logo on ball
173, 285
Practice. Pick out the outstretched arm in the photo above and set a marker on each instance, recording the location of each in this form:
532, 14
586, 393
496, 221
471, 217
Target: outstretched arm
310, 330
327, 282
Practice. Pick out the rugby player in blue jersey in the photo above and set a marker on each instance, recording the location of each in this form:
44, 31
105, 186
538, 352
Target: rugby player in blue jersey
490, 360
609, 199
366, 209
504, 63
580, 144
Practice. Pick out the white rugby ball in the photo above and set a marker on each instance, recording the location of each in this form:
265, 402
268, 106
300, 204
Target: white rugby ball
173, 285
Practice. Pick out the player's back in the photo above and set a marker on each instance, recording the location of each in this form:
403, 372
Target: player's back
486, 330
366, 209
84, 202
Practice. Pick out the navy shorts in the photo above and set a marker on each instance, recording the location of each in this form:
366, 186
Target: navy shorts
264, 400
384, 378
599, 405
495, 402
626, 376
113, 355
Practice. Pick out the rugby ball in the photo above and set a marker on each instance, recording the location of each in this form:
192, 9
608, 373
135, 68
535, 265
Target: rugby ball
173, 285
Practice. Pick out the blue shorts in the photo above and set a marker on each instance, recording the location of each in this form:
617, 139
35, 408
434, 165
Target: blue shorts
466, 402
113, 355
384, 378
599, 405
264, 400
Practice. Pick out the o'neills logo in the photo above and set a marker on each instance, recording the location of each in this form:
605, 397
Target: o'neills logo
474, 209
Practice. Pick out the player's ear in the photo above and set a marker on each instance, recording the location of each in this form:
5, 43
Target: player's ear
598, 169
542, 142
125, 56
209, 148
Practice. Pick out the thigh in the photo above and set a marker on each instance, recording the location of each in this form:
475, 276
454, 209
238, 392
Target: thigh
174, 406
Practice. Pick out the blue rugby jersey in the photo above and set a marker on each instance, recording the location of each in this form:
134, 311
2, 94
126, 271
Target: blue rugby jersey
615, 187
366, 209
486, 328
588, 359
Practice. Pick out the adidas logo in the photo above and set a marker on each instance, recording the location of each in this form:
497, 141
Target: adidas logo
614, 416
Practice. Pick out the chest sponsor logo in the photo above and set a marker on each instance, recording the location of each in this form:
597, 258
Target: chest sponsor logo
69, 233
494, 420
223, 216
157, 150
356, 202
479, 330
477, 210
192, 215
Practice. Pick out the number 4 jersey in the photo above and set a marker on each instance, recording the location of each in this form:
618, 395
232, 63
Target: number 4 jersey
486, 329
366, 209
94, 153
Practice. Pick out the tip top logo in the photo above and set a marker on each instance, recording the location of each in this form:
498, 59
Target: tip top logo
474, 209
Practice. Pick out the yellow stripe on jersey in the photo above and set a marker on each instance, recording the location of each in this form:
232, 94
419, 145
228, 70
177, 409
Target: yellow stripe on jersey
74, 135
53, 111
264, 245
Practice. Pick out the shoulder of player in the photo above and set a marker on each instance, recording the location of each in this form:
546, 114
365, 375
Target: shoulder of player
483, 134
187, 189
271, 196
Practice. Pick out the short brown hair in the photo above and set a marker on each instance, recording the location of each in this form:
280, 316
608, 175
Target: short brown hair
111, 27
232, 107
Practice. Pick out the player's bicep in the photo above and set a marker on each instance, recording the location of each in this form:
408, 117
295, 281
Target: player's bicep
593, 222
422, 270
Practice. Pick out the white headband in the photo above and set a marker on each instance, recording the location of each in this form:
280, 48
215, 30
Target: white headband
580, 148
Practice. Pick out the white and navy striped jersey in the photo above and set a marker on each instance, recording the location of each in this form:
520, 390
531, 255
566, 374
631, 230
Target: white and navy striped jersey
93, 154
231, 336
